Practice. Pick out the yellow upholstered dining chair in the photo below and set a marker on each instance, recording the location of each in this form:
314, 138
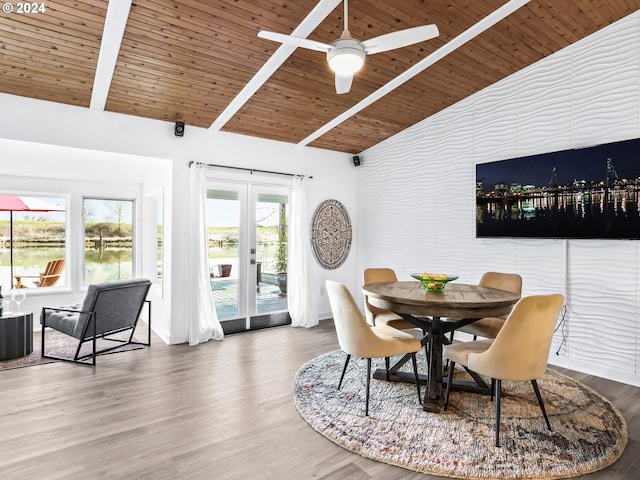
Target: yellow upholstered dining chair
376, 315
357, 338
518, 353
490, 326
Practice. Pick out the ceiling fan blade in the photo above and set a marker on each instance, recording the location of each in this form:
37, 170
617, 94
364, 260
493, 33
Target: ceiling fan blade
343, 83
400, 39
295, 41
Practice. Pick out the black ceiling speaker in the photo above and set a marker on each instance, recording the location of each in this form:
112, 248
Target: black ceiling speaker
179, 129
356, 160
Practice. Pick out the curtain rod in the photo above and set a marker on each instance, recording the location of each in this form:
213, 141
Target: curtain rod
249, 169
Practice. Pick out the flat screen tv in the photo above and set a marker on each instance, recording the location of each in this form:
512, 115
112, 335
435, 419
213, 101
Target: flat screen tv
590, 192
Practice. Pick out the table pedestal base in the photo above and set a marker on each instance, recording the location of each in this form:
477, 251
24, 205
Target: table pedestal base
16, 335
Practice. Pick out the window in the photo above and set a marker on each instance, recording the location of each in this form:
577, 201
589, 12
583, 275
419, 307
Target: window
32, 236
108, 239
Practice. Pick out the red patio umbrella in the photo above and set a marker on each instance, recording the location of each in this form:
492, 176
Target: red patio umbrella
14, 203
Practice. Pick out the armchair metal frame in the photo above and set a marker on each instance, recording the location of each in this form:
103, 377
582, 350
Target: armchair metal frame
91, 333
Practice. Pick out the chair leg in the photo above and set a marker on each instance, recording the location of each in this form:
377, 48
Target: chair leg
386, 364
344, 370
415, 375
498, 395
426, 353
452, 365
44, 329
451, 334
366, 409
544, 412
493, 387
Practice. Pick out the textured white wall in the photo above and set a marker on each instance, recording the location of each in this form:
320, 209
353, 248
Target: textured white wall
416, 194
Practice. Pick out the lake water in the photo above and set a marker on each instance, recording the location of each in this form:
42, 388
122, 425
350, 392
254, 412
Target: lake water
585, 213
100, 265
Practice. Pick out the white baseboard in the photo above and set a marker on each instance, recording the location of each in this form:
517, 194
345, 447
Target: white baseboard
592, 369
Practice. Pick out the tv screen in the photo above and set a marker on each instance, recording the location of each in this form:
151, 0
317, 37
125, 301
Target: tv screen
582, 193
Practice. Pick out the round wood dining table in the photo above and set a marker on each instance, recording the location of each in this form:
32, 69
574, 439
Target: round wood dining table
436, 313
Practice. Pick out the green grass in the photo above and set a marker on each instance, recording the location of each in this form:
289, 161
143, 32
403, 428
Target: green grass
45, 230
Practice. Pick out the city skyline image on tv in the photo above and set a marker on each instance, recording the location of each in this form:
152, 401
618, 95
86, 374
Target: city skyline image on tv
591, 192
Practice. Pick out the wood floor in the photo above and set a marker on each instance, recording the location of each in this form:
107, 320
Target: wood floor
221, 410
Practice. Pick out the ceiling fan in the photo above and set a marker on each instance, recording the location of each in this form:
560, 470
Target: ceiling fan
346, 55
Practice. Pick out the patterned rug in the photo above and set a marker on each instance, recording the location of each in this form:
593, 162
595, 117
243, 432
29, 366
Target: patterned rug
59, 345
589, 433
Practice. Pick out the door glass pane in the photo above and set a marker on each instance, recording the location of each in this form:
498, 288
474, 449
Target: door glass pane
108, 239
32, 238
271, 257
223, 232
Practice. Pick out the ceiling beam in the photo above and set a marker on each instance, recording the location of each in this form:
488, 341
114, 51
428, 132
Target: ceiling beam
472, 32
114, 25
308, 25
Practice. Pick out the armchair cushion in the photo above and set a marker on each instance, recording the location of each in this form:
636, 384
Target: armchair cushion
64, 319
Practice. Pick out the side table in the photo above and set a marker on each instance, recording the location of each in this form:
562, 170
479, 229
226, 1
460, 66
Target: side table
16, 335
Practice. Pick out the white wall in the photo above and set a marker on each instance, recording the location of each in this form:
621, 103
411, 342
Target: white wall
158, 162
416, 193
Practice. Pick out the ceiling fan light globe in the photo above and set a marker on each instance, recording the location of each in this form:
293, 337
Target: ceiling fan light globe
346, 59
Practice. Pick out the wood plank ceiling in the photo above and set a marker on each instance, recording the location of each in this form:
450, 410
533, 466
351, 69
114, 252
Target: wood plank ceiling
188, 59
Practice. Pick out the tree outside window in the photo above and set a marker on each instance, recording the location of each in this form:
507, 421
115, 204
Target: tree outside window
108, 240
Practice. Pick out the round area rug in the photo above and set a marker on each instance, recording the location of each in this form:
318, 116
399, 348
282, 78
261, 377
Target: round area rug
589, 433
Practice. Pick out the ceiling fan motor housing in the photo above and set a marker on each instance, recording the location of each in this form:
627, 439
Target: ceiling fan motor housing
346, 57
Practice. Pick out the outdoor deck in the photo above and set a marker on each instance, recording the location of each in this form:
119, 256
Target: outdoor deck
225, 294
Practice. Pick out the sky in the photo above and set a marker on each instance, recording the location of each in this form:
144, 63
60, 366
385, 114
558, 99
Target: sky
102, 210
54, 216
588, 164
226, 213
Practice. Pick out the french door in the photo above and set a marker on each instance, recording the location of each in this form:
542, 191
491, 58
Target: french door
247, 233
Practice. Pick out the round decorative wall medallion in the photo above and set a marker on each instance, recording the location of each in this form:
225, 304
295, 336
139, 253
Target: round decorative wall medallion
331, 234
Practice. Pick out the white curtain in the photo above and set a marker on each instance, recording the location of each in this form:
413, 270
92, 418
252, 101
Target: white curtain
202, 319
300, 299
